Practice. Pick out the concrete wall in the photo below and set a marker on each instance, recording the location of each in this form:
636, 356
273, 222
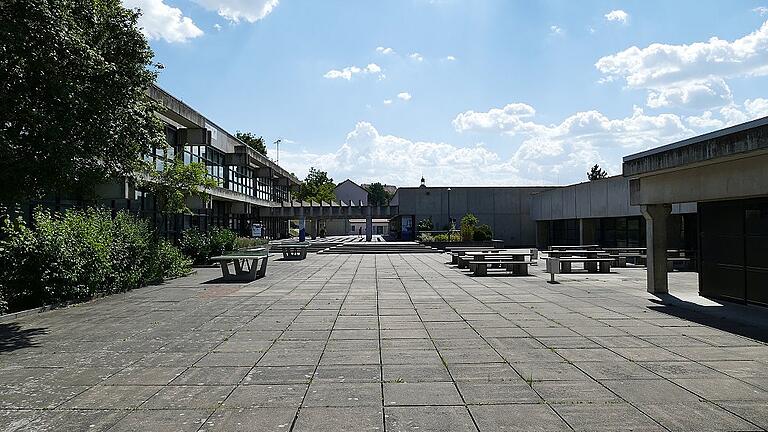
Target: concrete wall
594, 199
732, 179
505, 209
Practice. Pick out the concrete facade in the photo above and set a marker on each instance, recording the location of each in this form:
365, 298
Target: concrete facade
247, 180
591, 208
726, 173
507, 210
592, 199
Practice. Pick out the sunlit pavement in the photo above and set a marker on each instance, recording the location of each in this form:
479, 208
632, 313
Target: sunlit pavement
389, 342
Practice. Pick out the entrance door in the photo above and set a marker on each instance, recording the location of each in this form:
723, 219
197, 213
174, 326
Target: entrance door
734, 250
722, 250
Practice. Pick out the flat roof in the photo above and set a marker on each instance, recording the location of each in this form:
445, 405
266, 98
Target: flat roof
700, 138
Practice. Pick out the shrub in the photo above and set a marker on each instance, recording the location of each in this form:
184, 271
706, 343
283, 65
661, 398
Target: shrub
248, 242
201, 246
196, 245
482, 232
425, 225
167, 262
221, 240
79, 254
468, 223
426, 237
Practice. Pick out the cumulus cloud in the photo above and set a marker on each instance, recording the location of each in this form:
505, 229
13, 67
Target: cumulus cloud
692, 75
416, 57
555, 30
404, 96
449, 58
161, 21
617, 16
368, 155
348, 72
240, 10
387, 101
762, 10
385, 50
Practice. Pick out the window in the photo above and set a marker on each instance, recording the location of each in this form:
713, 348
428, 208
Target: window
210, 157
241, 180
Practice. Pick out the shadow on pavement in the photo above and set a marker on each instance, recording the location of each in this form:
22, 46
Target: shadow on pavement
743, 320
13, 337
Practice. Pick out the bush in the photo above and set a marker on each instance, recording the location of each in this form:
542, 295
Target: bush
468, 223
248, 242
201, 246
221, 240
425, 225
482, 232
168, 262
79, 254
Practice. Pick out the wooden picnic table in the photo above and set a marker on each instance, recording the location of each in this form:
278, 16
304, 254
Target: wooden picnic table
248, 264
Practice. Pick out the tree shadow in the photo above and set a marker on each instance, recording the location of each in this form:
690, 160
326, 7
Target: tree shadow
13, 337
739, 319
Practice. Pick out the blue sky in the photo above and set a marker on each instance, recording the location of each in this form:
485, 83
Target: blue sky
464, 92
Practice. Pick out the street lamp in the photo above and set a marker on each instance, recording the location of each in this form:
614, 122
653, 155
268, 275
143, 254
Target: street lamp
449, 215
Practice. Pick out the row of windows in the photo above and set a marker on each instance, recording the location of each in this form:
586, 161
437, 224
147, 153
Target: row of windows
234, 178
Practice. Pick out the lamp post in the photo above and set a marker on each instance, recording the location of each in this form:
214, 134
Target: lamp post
449, 215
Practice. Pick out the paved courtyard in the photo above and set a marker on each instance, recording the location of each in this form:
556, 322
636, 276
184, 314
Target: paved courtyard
385, 343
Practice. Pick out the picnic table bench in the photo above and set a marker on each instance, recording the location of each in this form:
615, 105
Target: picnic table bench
517, 267
456, 253
248, 264
479, 262
294, 251
564, 265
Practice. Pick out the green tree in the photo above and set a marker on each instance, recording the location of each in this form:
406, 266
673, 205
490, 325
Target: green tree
73, 101
316, 187
177, 182
377, 195
468, 223
252, 141
425, 225
596, 173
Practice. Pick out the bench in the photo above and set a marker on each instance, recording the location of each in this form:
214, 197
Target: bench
456, 254
563, 265
517, 267
248, 265
294, 251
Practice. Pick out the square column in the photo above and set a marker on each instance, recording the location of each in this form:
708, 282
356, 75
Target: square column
368, 225
656, 216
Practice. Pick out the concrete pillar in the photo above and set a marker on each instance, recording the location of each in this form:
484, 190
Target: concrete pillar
368, 224
656, 216
302, 228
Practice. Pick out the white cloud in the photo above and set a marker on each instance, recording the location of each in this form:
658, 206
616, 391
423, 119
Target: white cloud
579, 141
762, 10
160, 21
416, 57
348, 72
367, 155
710, 92
240, 10
387, 101
449, 58
689, 75
618, 16
404, 96
555, 30
217, 27
385, 50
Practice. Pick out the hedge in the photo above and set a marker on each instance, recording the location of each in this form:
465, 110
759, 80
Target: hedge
79, 254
